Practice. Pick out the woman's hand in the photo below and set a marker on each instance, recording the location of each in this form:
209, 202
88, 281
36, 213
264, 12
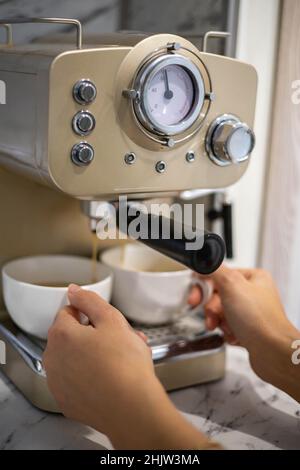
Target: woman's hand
102, 375
246, 306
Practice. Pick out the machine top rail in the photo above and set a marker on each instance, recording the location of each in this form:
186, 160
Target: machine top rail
7, 22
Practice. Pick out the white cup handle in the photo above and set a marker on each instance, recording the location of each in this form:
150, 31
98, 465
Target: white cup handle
83, 319
206, 289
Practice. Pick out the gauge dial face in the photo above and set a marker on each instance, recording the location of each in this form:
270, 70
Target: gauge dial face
171, 94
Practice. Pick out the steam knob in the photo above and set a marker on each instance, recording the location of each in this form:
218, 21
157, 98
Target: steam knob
82, 154
84, 91
229, 140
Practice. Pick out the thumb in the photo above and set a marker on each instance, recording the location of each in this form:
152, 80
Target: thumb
142, 335
89, 303
226, 279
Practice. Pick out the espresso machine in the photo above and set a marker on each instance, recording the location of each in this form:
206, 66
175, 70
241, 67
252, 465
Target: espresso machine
146, 116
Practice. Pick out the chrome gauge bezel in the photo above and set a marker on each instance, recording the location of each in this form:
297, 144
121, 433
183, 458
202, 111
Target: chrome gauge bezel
145, 76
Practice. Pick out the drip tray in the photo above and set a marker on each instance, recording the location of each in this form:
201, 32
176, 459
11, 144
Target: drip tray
184, 354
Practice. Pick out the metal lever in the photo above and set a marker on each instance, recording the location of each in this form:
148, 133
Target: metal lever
213, 34
8, 29
225, 213
7, 22
32, 359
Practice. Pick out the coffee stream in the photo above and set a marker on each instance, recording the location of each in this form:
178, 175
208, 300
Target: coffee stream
122, 257
94, 277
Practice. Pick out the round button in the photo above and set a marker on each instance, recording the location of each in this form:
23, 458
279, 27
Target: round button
83, 123
229, 140
190, 157
130, 158
82, 154
160, 167
84, 91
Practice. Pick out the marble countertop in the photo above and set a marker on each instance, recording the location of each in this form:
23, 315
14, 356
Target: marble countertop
240, 412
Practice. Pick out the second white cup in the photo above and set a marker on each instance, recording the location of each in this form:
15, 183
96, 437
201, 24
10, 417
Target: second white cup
150, 288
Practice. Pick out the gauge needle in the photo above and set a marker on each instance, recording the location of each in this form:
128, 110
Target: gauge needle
168, 93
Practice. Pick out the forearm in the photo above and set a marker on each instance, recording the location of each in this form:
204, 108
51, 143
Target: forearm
152, 422
272, 359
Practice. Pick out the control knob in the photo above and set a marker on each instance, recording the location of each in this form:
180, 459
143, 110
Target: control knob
229, 140
83, 123
82, 154
84, 91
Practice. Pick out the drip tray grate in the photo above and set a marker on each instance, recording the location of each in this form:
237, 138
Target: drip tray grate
188, 328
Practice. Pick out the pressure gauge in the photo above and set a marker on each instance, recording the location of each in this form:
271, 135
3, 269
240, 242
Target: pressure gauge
170, 93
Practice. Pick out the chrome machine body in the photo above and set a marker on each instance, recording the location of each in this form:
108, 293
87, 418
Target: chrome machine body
142, 116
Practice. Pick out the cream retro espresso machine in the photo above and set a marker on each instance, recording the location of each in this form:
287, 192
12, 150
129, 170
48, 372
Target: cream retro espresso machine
142, 116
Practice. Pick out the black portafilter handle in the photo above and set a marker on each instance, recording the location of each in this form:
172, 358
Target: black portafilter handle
205, 260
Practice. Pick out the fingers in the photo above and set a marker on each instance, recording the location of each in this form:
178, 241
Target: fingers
67, 316
214, 304
213, 312
195, 296
256, 275
142, 335
226, 280
224, 273
214, 318
89, 303
200, 292
248, 273
228, 335
212, 321
66, 325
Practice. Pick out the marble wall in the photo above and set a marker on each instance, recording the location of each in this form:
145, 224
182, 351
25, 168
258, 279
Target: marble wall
96, 15
189, 17
176, 15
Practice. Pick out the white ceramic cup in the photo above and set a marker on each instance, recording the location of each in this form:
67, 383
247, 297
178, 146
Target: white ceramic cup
150, 288
33, 307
